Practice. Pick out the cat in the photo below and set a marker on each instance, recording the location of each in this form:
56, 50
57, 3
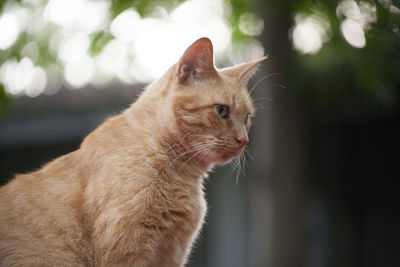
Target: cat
132, 194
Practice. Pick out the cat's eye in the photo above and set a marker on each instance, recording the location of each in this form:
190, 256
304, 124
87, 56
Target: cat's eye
222, 110
247, 119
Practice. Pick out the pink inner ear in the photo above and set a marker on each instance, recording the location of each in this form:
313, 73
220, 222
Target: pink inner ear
197, 60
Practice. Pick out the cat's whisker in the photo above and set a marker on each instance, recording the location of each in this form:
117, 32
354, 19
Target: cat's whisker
189, 145
204, 154
184, 153
239, 164
233, 164
262, 98
243, 164
186, 135
207, 148
279, 85
207, 153
193, 149
246, 150
244, 160
261, 79
239, 167
259, 106
195, 154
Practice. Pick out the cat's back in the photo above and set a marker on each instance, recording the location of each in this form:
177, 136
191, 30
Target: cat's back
40, 215
44, 214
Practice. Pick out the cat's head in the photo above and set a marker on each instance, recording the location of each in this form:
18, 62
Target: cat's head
212, 108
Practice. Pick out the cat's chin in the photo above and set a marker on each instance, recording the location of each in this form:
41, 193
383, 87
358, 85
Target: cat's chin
222, 156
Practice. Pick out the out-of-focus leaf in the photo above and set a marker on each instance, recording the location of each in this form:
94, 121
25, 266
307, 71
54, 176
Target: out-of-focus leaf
143, 7
99, 41
118, 6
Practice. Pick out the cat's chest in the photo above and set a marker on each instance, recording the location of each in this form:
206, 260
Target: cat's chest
180, 206
179, 219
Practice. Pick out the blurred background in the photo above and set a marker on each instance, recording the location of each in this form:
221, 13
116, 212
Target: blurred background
321, 186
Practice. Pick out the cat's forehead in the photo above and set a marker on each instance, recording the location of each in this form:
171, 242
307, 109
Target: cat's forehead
241, 100
235, 95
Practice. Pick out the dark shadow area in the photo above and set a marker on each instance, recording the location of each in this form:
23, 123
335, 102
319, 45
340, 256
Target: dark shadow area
352, 191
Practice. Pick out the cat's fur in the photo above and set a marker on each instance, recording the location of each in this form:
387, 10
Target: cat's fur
132, 195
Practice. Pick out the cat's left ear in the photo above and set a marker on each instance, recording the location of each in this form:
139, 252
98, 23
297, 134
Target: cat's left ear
197, 61
243, 71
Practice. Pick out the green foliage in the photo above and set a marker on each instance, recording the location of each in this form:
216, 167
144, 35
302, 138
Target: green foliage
47, 56
143, 7
341, 75
98, 41
239, 7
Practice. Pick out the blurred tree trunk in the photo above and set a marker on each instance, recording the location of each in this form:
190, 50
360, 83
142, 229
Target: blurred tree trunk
276, 188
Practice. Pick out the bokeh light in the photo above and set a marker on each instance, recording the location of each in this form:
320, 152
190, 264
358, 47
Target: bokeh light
310, 32
251, 24
9, 30
138, 48
357, 19
353, 33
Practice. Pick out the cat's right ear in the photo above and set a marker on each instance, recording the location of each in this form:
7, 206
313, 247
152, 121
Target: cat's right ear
197, 62
244, 71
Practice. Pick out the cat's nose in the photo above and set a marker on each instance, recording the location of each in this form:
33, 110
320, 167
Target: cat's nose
242, 141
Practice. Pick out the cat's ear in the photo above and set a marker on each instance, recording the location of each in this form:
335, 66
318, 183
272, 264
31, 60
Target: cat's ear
197, 61
244, 71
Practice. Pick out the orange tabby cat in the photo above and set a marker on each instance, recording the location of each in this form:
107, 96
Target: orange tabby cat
132, 195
